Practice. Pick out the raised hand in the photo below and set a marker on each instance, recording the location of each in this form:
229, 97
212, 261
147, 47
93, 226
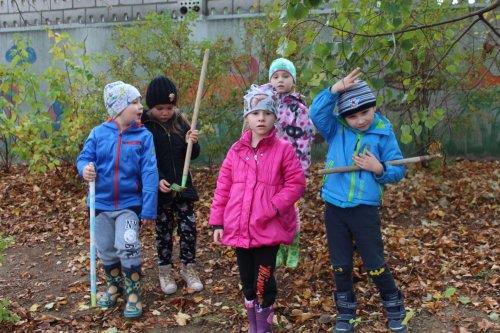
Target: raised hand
347, 82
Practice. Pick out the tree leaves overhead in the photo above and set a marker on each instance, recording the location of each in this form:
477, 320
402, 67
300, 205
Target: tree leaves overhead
418, 55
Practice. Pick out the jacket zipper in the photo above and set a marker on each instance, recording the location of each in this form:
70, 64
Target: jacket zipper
117, 163
350, 196
171, 150
171, 155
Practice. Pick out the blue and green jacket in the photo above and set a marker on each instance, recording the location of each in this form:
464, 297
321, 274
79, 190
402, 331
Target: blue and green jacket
127, 176
350, 189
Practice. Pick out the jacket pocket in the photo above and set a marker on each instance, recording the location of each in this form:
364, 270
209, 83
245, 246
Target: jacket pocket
132, 152
288, 219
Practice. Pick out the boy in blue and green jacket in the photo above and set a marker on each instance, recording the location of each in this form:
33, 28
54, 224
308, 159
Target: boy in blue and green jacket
357, 135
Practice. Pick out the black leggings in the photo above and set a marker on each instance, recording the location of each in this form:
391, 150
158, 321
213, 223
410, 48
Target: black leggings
257, 267
180, 213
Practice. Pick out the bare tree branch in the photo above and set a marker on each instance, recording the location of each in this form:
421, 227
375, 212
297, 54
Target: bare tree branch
19, 10
479, 13
495, 31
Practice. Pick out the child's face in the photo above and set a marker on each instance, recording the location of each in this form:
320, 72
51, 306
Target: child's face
132, 112
361, 120
282, 81
163, 112
261, 121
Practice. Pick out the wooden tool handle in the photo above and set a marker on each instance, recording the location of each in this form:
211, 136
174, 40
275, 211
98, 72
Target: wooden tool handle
194, 120
351, 168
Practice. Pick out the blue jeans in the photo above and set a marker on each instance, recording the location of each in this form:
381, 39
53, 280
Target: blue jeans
360, 226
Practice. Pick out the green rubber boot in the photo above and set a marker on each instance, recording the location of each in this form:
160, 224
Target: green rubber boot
292, 260
113, 286
133, 308
281, 256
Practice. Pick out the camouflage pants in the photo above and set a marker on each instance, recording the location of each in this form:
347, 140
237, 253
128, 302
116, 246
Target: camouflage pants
180, 213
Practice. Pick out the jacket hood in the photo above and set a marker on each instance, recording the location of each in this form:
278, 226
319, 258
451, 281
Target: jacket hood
292, 97
134, 126
380, 125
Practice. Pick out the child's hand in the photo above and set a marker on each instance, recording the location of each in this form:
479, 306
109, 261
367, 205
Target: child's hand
347, 82
369, 162
89, 172
164, 186
218, 233
193, 135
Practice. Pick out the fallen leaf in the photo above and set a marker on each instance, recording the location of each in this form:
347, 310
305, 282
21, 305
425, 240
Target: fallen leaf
182, 318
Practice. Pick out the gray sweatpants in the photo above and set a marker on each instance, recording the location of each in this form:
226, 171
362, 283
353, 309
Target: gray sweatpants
117, 238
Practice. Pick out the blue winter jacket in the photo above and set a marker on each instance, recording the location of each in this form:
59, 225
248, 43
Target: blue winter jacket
349, 189
125, 162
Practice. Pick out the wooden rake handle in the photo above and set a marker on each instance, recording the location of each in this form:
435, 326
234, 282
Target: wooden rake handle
194, 120
351, 168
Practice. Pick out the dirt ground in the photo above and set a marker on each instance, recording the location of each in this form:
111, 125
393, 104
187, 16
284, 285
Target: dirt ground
45, 273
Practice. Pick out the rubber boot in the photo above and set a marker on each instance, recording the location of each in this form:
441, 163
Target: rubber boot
250, 306
133, 308
281, 256
264, 319
395, 312
292, 260
113, 286
346, 308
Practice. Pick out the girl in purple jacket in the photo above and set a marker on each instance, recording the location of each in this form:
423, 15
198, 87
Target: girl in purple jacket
253, 208
294, 126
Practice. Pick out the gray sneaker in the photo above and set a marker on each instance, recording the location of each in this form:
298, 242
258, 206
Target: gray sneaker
167, 281
189, 275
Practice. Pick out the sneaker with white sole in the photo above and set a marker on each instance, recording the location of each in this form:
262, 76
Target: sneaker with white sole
189, 275
167, 281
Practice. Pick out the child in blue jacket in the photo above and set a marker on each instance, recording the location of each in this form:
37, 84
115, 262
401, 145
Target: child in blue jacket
357, 135
119, 155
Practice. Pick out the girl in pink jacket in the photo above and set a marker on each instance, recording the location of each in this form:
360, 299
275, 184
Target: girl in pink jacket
253, 208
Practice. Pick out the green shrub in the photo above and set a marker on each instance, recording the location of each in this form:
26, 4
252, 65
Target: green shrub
6, 315
26, 127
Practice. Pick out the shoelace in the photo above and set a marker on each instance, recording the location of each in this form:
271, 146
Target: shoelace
191, 275
167, 277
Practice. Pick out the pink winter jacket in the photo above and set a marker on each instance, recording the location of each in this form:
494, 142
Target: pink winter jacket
256, 192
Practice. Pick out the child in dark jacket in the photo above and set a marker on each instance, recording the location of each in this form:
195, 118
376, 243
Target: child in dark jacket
357, 135
171, 131
119, 156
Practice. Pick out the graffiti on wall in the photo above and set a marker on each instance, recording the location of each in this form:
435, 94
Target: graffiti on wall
55, 110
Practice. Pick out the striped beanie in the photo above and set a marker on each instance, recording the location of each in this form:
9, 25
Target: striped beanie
358, 98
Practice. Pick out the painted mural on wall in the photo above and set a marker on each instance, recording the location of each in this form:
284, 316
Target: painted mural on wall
14, 50
55, 110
